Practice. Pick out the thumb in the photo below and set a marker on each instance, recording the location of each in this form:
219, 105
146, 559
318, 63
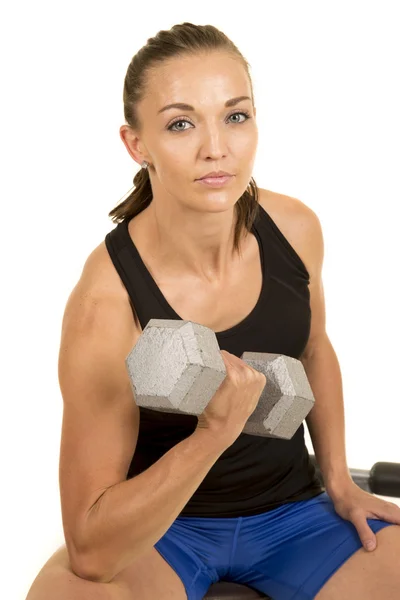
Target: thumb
367, 536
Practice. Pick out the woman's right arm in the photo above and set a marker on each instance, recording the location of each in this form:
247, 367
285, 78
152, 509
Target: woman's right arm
109, 521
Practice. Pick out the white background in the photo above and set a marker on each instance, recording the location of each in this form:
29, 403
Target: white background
326, 82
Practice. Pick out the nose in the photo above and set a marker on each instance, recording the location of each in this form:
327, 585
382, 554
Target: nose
213, 143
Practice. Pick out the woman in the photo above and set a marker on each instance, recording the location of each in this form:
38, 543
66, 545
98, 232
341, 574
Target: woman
166, 510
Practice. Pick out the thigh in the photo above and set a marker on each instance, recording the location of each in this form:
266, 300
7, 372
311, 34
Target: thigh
292, 551
57, 580
369, 575
147, 578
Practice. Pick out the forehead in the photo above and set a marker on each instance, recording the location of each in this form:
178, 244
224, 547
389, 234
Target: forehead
198, 80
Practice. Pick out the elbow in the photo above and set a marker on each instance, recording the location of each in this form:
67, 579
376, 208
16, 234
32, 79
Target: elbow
96, 577
81, 567
85, 564
84, 558
86, 568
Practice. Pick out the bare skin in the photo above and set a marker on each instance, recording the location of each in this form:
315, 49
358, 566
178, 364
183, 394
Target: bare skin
199, 300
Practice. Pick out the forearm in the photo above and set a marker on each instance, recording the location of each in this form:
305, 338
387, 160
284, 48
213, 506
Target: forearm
133, 515
326, 421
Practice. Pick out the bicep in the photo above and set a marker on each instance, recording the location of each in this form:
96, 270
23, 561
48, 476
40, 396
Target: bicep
100, 417
313, 252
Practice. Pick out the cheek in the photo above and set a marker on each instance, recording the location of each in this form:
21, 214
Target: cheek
174, 172
171, 159
248, 143
176, 153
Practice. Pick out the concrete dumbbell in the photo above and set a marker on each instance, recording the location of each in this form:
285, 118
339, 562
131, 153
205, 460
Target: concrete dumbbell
176, 367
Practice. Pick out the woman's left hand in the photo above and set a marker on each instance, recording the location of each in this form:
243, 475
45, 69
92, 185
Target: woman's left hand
356, 505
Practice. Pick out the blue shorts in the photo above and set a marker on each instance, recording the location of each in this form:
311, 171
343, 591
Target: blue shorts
288, 553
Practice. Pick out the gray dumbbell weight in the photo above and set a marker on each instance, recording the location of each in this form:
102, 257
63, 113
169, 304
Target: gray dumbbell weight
176, 367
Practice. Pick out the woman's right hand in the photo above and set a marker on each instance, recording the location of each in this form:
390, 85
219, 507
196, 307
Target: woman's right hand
235, 400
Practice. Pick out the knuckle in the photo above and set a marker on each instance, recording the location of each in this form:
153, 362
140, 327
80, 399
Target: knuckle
254, 373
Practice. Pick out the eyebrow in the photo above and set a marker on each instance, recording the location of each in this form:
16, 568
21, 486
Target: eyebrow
183, 106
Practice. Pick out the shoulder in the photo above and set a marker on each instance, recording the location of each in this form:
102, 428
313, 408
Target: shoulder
99, 288
99, 275
99, 300
299, 224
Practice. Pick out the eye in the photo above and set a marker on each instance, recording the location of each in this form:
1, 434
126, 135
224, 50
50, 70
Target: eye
170, 128
242, 112
179, 120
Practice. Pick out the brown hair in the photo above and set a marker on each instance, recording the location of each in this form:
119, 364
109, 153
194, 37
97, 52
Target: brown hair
181, 40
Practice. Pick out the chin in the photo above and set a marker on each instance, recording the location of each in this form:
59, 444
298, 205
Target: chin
216, 204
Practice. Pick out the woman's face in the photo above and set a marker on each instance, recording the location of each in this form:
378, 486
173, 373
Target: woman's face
183, 145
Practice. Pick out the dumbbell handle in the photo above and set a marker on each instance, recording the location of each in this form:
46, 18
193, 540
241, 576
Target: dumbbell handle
382, 479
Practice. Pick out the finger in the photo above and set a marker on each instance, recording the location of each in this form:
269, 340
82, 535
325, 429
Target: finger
390, 513
367, 536
231, 358
393, 514
227, 358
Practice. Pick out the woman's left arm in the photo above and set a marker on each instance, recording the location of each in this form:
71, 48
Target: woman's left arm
326, 422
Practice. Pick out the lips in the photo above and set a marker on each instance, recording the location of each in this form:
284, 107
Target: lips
216, 174
215, 182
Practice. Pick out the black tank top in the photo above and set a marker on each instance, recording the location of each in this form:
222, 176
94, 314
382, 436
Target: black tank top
255, 474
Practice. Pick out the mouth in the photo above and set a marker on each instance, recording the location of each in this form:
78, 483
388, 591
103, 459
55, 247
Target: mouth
216, 181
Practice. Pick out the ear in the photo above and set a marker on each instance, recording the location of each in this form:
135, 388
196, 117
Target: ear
133, 144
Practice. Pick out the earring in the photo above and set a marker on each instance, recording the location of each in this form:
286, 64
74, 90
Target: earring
144, 164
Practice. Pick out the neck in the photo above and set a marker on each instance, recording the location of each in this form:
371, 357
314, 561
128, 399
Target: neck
188, 241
